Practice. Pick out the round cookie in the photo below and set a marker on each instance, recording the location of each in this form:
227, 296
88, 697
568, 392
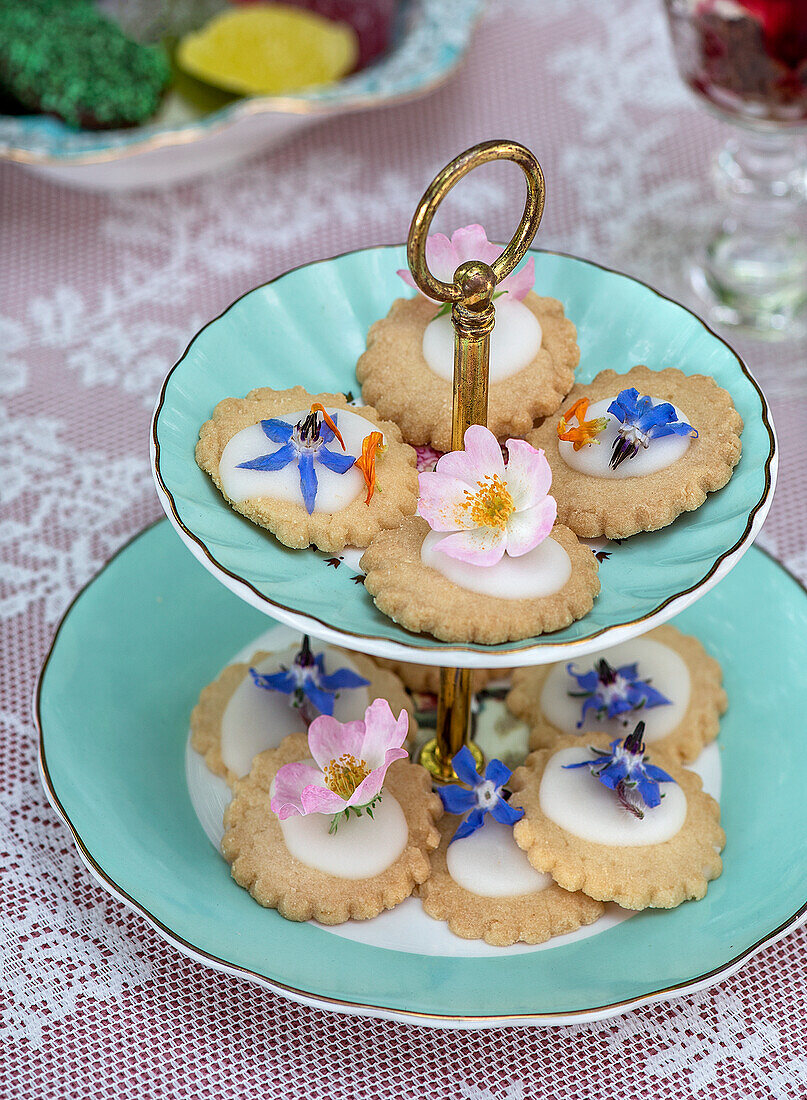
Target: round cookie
397, 380
682, 732
355, 521
425, 601
677, 865
619, 503
500, 919
207, 717
261, 862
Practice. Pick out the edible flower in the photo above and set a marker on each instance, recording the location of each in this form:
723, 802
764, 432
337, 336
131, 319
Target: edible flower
303, 443
492, 509
350, 764
484, 797
586, 430
610, 692
624, 770
310, 688
444, 256
371, 445
642, 421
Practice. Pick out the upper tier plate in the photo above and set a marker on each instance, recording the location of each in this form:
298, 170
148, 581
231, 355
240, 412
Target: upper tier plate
309, 327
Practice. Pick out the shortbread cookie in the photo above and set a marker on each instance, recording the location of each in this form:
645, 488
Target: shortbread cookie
664, 677
397, 380
613, 478
425, 679
235, 719
424, 600
484, 888
256, 844
299, 482
587, 837
494, 566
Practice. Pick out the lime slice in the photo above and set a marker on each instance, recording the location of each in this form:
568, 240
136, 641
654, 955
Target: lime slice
268, 49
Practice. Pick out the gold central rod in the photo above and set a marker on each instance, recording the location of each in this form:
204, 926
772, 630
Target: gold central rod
473, 316
472, 330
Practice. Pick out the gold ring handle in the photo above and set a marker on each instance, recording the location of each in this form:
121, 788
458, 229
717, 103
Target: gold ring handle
437, 191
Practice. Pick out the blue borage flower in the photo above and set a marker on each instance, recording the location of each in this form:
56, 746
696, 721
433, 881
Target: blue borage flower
310, 688
642, 421
303, 443
610, 692
484, 797
623, 769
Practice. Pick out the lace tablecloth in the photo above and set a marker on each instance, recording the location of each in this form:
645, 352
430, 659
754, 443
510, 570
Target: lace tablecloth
99, 295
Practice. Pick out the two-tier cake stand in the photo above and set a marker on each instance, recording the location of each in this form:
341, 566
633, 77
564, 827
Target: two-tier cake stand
113, 748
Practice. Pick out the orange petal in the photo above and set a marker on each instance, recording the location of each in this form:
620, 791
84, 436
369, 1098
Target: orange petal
578, 409
568, 435
366, 463
586, 430
316, 407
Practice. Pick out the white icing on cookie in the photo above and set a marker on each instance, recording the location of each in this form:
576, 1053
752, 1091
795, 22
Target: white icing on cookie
583, 806
514, 342
665, 670
490, 864
334, 491
541, 572
256, 718
593, 459
361, 847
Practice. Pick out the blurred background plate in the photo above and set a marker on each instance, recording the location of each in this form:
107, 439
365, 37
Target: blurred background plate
309, 327
430, 38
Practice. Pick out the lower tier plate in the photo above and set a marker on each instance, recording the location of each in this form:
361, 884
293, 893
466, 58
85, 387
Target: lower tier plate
113, 702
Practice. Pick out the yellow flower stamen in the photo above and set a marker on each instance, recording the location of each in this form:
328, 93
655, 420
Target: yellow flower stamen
586, 431
343, 776
316, 407
491, 505
372, 445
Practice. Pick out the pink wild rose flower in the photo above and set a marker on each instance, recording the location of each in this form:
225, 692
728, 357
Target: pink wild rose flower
350, 763
444, 256
490, 508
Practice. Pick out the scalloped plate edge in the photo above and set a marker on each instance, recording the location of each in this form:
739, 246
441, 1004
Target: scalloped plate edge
460, 656
319, 1001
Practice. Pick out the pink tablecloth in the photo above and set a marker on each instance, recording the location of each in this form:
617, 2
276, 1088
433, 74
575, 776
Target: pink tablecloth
99, 295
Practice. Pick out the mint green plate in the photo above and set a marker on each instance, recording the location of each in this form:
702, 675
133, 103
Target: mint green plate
310, 326
152, 629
